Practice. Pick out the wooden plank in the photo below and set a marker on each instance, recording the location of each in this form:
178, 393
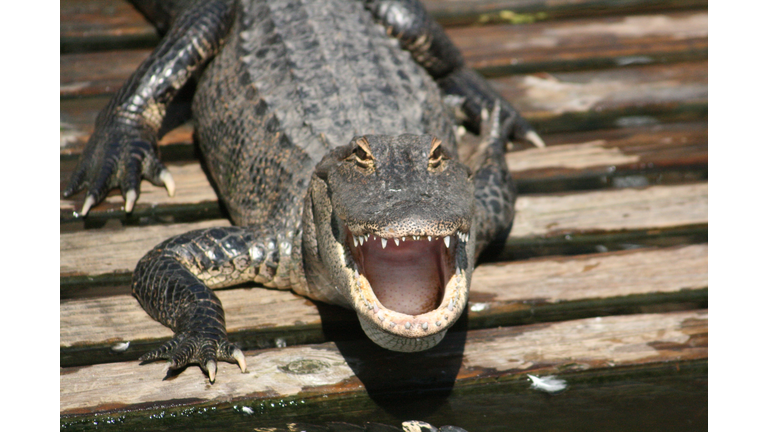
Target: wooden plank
479, 12
609, 153
107, 252
656, 207
502, 294
603, 99
584, 44
101, 72
98, 24
494, 50
561, 102
103, 252
636, 156
498, 354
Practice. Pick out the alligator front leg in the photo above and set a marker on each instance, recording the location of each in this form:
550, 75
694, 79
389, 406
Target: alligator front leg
122, 148
173, 284
495, 191
408, 21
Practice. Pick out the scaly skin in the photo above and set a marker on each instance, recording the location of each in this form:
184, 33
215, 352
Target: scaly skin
334, 153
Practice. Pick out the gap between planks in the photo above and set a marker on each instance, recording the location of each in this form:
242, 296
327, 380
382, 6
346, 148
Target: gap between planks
588, 344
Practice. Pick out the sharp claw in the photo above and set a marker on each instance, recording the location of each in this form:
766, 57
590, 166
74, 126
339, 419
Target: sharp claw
240, 358
535, 139
89, 201
167, 179
210, 367
130, 200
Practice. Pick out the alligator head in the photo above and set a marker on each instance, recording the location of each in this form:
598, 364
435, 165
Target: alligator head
388, 232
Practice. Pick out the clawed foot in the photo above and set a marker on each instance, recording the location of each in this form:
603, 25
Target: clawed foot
189, 348
117, 156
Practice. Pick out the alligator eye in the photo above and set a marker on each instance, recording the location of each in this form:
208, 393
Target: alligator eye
362, 153
436, 154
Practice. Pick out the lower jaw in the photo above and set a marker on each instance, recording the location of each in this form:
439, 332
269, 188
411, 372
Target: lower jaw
395, 342
409, 333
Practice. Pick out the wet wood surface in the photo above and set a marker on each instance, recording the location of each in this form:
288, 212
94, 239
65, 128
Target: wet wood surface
593, 343
617, 88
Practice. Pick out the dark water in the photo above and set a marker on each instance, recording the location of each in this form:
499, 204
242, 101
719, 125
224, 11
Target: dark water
660, 397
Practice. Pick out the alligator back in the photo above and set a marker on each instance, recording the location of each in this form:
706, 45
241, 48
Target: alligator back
295, 79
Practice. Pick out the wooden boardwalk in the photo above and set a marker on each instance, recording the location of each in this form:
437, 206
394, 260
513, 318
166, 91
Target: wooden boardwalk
605, 272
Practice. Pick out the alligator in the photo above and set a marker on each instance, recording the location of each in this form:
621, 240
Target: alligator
329, 128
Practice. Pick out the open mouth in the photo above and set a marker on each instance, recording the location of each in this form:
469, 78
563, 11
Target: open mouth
408, 274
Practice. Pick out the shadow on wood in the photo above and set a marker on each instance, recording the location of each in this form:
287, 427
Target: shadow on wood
405, 385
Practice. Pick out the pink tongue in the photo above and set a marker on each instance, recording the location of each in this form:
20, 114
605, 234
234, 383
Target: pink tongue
405, 278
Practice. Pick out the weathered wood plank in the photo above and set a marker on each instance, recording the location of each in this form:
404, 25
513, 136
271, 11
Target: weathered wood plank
569, 101
584, 44
102, 252
526, 291
108, 252
655, 207
494, 50
504, 353
478, 12
100, 24
609, 153
635, 96
101, 72
574, 161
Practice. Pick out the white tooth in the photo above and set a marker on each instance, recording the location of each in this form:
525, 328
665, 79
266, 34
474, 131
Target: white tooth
408, 325
354, 239
397, 242
357, 274
429, 238
417, 238
383, 243
425, 326
447, 240
403, 238
361, 240
380, 315
368, 235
